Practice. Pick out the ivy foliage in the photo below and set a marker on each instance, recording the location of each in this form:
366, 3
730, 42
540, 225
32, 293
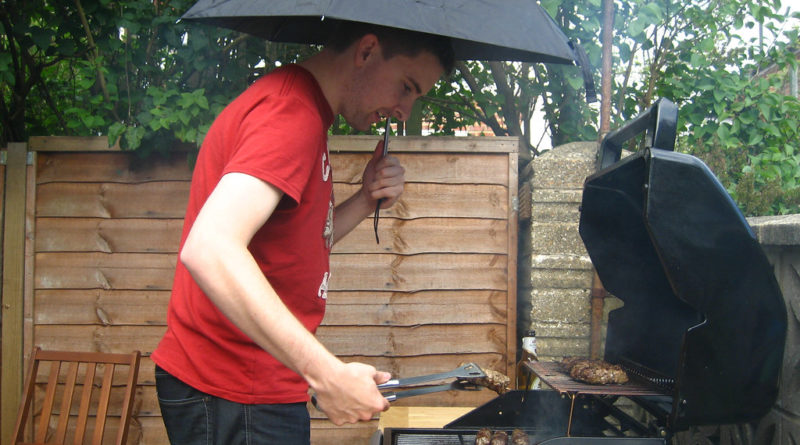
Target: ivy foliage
131, 71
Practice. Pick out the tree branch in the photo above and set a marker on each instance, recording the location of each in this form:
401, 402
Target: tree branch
491, 121
95, 55
52, 104
510, 111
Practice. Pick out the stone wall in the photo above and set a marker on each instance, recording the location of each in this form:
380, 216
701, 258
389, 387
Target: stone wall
780, 237
555, 273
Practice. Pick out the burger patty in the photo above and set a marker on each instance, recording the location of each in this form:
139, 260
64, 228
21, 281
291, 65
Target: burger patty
594, 372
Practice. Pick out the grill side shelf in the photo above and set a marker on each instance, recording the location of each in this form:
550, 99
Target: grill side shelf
552, 374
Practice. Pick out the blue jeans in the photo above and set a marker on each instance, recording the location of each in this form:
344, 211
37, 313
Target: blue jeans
193, 417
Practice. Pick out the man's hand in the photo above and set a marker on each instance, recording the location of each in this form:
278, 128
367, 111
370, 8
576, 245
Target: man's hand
349, 393
383, 178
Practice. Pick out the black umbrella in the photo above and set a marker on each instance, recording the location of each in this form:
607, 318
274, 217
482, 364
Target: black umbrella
518, 30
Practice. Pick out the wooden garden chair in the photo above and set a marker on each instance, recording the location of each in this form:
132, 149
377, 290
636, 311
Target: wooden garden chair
63, 385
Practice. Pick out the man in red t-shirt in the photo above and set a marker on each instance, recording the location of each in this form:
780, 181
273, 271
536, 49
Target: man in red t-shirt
239, 353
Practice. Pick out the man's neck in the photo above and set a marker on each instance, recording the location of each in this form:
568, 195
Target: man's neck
330, 71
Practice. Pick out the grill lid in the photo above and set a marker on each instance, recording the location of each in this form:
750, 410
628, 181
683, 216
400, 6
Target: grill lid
702, 309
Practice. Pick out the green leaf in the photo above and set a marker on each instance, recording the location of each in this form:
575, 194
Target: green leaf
755, 139
114, 132
551, 6
575, 82
42, 37
652, 12
636, 28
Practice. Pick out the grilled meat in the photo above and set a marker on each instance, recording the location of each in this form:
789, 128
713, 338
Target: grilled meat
568, 362
499, 438
484, 437
519, 437
594, 372
496, 381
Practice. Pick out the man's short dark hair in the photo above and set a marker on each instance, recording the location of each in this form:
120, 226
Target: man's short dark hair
395, 41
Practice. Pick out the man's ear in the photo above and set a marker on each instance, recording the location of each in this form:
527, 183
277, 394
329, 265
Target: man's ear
366, 47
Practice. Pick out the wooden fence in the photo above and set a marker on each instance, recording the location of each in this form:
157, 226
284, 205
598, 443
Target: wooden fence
91, 239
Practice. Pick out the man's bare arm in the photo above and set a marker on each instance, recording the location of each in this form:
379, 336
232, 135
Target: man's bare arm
216, 255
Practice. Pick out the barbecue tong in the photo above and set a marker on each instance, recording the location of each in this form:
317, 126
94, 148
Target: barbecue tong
461, 375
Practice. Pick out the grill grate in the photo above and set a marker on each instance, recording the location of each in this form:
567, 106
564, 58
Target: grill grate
452, 436
433, 439
667, 385
552, 373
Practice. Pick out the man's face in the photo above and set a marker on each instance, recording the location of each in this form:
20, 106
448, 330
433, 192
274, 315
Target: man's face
388, 87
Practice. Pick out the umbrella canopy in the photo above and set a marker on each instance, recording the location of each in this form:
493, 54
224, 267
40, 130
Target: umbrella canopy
511, 30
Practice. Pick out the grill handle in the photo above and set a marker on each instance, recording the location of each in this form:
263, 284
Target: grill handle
660, 122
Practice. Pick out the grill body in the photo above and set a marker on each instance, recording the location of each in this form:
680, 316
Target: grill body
703, 315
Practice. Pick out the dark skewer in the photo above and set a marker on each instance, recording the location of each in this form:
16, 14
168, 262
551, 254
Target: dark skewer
378, 205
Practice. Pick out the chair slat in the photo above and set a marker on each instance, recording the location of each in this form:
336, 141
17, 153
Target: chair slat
49, 399
66, 402
86, 398
130, 389
102, 407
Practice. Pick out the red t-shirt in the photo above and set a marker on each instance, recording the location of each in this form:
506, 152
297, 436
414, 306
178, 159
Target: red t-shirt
276, 131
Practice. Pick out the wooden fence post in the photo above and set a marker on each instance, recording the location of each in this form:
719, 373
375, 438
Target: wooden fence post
13, 286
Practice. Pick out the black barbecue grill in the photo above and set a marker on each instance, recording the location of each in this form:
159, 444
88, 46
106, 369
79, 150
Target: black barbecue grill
703, 326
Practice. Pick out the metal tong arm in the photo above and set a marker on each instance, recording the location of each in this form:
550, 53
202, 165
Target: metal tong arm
465, 371
457, 385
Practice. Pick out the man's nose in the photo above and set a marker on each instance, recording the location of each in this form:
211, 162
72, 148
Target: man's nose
403, 110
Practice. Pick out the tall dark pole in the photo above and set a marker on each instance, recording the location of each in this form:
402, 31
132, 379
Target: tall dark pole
607, 42
598, 293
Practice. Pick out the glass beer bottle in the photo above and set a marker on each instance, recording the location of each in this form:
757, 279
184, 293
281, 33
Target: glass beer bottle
526, 379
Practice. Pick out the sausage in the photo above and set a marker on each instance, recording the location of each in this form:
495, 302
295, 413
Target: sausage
519, 437
499, 438
483, 437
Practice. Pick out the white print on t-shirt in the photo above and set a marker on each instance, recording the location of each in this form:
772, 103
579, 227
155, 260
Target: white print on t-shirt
327, 232
326, 167
323, 287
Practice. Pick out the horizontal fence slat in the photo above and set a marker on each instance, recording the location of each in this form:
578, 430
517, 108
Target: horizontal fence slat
103, 307
427, 144
70, 143
147, 308
414, 340
165, 199
441, 168
418, 272
141, 235
348, 271
104, 271
442, 201
341, 340
426, 235
169, 199
117, 167
453, 297
138, 235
